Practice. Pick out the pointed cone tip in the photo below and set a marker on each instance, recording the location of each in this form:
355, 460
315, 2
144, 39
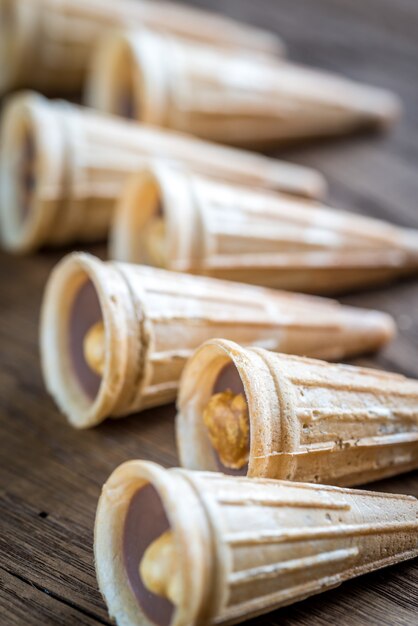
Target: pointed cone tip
410, 244
389, 109
373, 324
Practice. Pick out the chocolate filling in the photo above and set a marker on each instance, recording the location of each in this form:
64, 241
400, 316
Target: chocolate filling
229, 378
159, 210
85, 313
125, 101
150, 256
125, 105
27, 174
145, 521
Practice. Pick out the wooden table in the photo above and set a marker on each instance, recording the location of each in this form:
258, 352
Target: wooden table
51, 474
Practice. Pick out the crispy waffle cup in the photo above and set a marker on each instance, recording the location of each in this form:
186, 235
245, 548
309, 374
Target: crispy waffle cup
228, 96
244, 546
62, 168
154, 320
308, 420
253, 235
46, 44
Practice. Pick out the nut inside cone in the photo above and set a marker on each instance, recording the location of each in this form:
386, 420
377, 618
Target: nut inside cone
197, 441
230, 440
140, 234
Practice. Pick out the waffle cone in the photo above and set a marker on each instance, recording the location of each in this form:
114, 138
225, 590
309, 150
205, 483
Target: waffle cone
46, 44
309, 420
155, 319
247, 546
255, 236
228, 96
81, 160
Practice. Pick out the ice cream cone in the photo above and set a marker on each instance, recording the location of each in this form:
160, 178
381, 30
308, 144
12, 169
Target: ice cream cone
228, 96
62, 168
241, 547
46, 44
150, 321
307, 420
183, 222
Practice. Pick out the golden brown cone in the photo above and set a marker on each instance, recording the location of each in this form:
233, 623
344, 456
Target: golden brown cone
47, 44
247, 546
80, 160
253, 235
154, 320
229, 96
309, 420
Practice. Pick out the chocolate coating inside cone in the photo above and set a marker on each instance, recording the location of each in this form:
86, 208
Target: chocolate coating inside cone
125, 102
85, 313
148, 224
145, 522
27, 174
229, 379
155, 238
126, 105
141, 232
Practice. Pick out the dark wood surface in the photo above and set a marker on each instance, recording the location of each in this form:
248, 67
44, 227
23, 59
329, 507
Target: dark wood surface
51, 474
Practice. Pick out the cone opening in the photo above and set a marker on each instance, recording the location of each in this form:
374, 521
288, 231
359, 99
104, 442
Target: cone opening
146, 520
139, 504
211, 384
114, 79
140, 233
125, 97
21, 174
74, 304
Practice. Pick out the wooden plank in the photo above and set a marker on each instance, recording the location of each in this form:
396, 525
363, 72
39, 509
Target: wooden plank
24, 603
52, 474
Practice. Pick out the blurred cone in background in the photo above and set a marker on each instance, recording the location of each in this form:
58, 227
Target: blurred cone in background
236, 547
62, 168
115, 337
228, 96
300, 419
174, 219
46, 44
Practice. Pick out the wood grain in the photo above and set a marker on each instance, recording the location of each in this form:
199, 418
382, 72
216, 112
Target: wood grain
51, 474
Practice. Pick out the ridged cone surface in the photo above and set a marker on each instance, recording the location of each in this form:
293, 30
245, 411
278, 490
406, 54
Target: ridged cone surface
271, 543
162, 318
184, 313
51, 40
258, 236
309, 420
232, 97
284, 542
95, 153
